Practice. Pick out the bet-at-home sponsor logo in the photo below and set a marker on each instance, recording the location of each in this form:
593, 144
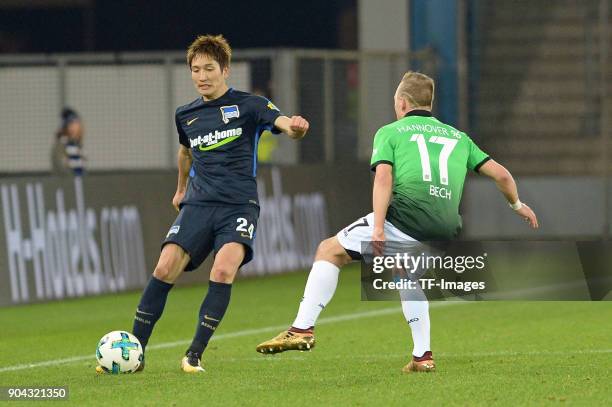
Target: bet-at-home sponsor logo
215, 139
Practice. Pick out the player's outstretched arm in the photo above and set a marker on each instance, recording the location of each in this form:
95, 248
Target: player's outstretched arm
505, 183
295, 126
184, 161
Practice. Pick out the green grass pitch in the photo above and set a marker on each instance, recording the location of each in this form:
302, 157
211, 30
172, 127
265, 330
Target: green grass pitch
487, 353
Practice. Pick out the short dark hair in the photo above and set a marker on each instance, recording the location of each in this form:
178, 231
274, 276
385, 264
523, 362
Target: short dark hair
215, 46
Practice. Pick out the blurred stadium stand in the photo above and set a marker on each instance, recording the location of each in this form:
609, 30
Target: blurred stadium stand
536, 85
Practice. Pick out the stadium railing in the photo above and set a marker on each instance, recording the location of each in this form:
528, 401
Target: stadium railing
127, 102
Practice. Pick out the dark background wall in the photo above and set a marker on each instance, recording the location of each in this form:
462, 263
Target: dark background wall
70, 26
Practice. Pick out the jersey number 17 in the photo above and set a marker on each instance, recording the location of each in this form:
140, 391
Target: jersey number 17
448, 144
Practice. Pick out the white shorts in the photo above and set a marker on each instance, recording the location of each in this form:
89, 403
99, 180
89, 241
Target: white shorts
356, 238
360, 231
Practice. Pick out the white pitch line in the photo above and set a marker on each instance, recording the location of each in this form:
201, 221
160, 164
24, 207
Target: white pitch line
229, 335
406, 354
254, 331
528, 353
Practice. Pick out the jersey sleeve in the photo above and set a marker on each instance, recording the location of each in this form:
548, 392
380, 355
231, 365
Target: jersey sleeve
382, 152
266, 114
476, 157
183, 139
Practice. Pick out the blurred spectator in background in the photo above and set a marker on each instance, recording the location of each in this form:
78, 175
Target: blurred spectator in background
67, 153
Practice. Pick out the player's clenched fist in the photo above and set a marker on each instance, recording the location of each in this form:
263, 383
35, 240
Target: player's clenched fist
299, 126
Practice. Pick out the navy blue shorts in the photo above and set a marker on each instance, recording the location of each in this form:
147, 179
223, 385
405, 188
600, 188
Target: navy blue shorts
200, 229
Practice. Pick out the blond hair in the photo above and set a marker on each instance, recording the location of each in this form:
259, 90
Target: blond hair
417, 89
215, 46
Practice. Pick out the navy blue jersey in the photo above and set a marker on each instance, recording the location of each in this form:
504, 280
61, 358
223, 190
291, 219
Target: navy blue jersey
223, 134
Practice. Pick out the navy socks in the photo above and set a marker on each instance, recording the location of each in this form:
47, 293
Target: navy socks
211, 313
150, 309
152, 305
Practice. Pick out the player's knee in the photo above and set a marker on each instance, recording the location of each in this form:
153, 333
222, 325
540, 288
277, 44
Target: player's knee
222, 274
331, 250
164, 273
322, 248
327, 248
171, 263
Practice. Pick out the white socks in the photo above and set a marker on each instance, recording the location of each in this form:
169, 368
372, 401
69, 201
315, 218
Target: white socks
417, 315
319, 291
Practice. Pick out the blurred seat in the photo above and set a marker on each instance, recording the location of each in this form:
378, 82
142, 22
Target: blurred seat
537, 92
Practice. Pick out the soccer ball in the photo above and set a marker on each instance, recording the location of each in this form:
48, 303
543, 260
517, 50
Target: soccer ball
119, 352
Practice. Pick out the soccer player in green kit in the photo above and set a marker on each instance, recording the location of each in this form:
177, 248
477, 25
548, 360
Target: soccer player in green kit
420, 165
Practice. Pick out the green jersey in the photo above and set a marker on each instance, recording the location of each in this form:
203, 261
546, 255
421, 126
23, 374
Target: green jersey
430, 160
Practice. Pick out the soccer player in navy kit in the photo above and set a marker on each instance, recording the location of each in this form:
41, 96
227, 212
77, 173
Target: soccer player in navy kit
216, 195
